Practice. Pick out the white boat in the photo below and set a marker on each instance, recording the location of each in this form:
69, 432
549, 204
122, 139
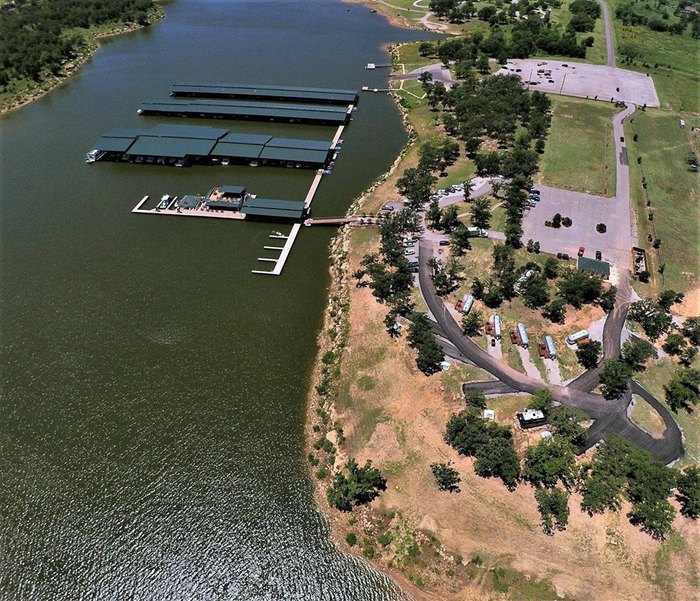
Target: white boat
165, 201
253, 163
91, 156
225, 162
180, 163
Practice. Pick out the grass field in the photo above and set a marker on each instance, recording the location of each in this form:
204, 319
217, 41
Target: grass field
673, 191
580, 153
653, 379
671, 60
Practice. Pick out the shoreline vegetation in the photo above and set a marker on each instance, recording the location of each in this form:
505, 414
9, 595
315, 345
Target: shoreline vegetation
21, 92
433, 544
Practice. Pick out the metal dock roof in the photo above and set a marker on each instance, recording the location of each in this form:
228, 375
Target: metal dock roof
171, 147
195, 142
245, 110
199, 132
291, 93
268, 207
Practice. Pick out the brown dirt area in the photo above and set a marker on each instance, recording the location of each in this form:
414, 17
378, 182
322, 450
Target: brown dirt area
395, 416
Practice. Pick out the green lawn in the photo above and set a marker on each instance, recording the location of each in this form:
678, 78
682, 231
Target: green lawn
580, 153
653, 379
673, 191
671, 60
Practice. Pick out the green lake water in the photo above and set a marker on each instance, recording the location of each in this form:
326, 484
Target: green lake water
152, 388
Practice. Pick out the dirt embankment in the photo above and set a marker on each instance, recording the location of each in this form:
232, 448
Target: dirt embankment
50, 81
484, 542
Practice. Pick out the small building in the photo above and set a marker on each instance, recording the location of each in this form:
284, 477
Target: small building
227, 198
489, 414
521, 281
594, 266
531, 418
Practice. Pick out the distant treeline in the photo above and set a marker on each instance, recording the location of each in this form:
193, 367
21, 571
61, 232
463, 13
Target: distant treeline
37, 36
660, 18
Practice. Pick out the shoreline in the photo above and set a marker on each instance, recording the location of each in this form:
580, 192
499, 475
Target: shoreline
51, 82
335, 319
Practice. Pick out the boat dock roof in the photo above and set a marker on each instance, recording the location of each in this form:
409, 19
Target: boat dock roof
242, 109
268, 207
201, 142
267, 92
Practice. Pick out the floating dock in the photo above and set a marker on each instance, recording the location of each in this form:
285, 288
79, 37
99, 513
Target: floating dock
249, 110
281, 260
266, 92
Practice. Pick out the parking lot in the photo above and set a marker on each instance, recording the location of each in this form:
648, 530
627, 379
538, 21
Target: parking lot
585, 211
585, 81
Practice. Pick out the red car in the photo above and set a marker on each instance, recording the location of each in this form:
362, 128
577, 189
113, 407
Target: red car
581, 250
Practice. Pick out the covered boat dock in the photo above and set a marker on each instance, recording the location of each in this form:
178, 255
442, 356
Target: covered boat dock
266, 92
249, 110
183, 145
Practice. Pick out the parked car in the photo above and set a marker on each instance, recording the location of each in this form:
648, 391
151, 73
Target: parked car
444, 242
598, 255
581, 250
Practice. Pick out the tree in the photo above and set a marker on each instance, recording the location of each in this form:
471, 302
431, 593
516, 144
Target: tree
447, 477
472, 324
476, 399
578, 288
555, 311
450, 219
688, 355
554, 508
607, 299
498, 459
654, 320
683, 389
588, 353
688, 486
433, 215
551, 268
482, 64
361, 485
614, 378
535, 292
668, 298
691, 330
548, 462
416, 184
468, 188
481, 213
513, 232
635, 353
566, 422
674, 343
541, 400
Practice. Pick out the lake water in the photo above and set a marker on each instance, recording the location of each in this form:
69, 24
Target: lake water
153, 389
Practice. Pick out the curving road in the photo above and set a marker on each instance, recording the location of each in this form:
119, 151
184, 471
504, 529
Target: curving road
611, 416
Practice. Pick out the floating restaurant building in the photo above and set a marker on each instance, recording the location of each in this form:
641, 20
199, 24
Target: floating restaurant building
183, 145
266, 92
248, 110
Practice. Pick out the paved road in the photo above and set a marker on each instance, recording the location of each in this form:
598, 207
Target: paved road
609, 36
611, 416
